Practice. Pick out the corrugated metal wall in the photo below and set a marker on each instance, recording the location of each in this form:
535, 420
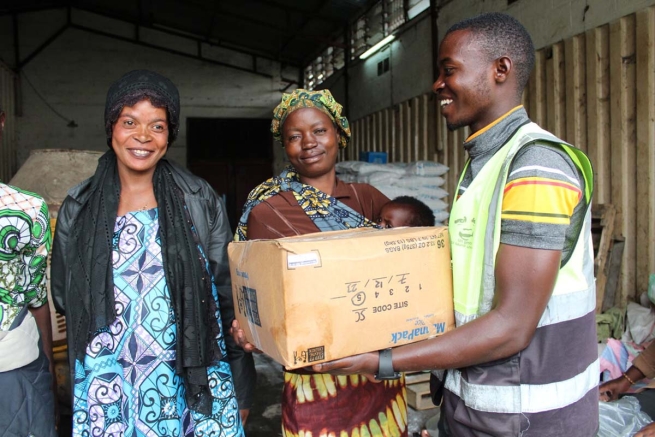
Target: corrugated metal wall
8, 164
595, 90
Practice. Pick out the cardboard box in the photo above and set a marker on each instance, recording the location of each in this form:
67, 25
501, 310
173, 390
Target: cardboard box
319, 297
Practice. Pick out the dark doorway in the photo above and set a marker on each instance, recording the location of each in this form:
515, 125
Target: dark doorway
233, 154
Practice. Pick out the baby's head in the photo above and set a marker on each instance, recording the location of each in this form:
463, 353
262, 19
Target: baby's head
405, 211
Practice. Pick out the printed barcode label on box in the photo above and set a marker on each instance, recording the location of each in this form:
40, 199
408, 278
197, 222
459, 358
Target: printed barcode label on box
297, 260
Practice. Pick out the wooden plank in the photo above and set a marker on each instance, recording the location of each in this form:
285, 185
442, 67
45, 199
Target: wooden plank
350, 150
432, 123
525, 97
387, 133
576, 100
555, 90
362, 139
623, 137
416, 133
400, 133
362, 144
370, 129
416, 377
602, 229
356, 132
370, 134
407, 122
443, 153
537, 86
458, 138
645, 150
463, 134
612, 297
379, 132
393, 154
418, 396
453, 164
549, 95
354, 139
424, 128
598, 110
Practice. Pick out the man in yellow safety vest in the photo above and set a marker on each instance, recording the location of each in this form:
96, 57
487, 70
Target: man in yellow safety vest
523, 359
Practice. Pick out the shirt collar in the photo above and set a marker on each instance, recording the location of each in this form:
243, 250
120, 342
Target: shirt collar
492, 124
494, 135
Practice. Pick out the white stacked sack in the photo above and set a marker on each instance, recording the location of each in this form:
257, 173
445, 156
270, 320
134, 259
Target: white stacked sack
420, 179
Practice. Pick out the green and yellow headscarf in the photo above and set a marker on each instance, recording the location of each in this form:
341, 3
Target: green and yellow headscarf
321, 100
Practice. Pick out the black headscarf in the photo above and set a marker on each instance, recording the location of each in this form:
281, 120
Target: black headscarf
91, 291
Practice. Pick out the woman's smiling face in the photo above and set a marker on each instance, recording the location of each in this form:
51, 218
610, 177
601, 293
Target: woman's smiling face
311, 142
140, 137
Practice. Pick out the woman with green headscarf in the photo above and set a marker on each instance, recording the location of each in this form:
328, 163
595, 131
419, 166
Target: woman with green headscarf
308, 197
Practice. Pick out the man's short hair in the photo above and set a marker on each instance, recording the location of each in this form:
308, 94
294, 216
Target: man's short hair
422, 215
501, 35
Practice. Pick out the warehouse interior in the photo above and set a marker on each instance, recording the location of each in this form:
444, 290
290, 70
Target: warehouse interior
593, 85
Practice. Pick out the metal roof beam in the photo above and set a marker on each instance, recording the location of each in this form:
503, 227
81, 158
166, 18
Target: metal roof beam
286, 43
225, 43
198, 57
135, 40
35, 8
297, 10
283, 30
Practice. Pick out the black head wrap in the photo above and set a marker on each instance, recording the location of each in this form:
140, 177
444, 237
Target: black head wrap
91, 290
138, 85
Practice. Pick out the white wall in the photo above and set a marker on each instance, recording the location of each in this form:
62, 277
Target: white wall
74, 72
337, 86
409, 75
548, 21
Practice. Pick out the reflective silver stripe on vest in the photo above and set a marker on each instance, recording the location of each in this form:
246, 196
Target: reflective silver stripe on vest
526, 398
461, 319
569, 306
489, 262
563, 305
576, 303
557, 309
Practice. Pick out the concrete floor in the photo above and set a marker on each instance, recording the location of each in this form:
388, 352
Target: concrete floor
264, 420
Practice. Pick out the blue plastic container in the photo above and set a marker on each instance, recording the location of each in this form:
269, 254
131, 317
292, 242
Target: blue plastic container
374, 157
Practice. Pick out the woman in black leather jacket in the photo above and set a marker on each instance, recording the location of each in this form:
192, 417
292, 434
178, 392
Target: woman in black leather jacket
140, 270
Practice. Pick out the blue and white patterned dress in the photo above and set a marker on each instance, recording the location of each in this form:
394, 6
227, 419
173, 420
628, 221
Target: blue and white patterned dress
127, 385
